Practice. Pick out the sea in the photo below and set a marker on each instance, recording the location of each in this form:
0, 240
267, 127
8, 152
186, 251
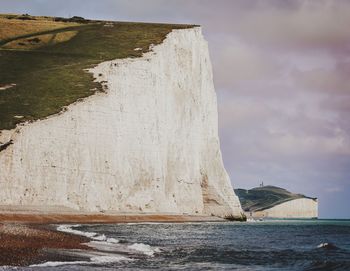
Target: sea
259, 245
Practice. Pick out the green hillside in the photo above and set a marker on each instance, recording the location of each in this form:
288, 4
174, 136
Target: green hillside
43, 60
264, 197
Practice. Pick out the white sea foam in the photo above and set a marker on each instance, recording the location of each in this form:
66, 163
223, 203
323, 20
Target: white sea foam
70, 229
322, 245
93, 260
109, 259
101, 237
52, 264
91, 235
106, 246
112, 240
327, 246
102, 243
145, 249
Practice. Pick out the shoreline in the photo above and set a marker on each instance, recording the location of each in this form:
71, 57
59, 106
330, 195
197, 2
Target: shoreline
28, 238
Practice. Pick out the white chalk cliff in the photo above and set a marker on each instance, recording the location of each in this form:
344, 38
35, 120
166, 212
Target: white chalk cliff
149, 144
296, 208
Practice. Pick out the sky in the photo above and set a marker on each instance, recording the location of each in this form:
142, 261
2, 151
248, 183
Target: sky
282, 76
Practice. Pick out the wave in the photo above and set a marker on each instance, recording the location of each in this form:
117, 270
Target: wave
103, 259
327, 246
92, 235
145, 249
107, 249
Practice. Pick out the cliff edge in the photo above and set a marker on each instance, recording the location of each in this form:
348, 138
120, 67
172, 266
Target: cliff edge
148, 143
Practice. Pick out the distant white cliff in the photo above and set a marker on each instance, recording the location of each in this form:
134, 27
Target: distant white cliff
149, 144
296, 208
276, 202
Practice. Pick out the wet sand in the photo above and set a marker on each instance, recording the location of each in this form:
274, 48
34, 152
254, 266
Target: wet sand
23, 245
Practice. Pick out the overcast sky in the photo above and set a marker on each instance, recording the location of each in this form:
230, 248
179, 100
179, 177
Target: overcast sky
282, 75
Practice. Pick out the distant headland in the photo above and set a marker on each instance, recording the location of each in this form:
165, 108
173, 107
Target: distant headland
275, 202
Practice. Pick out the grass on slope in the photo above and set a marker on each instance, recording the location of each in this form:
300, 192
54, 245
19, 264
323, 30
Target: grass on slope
38, 41
42, 68
265, 197
12, 26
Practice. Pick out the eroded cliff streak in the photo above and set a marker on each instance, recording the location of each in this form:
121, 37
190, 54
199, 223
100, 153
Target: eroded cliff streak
149, 144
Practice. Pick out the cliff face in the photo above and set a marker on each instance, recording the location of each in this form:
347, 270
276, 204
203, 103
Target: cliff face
149, 144
297, 208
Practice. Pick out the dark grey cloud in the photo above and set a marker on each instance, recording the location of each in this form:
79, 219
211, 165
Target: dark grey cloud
281, 70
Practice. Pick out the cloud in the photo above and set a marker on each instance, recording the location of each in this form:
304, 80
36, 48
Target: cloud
335, 81
286, 24
237, 62
335, 189
313, 24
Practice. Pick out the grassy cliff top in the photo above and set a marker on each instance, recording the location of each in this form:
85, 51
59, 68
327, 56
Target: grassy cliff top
265, 197
42, 60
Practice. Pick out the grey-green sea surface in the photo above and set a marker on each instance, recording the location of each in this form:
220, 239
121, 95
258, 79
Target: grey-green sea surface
268, 245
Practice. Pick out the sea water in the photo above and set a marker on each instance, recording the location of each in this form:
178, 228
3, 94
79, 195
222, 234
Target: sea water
268, 245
